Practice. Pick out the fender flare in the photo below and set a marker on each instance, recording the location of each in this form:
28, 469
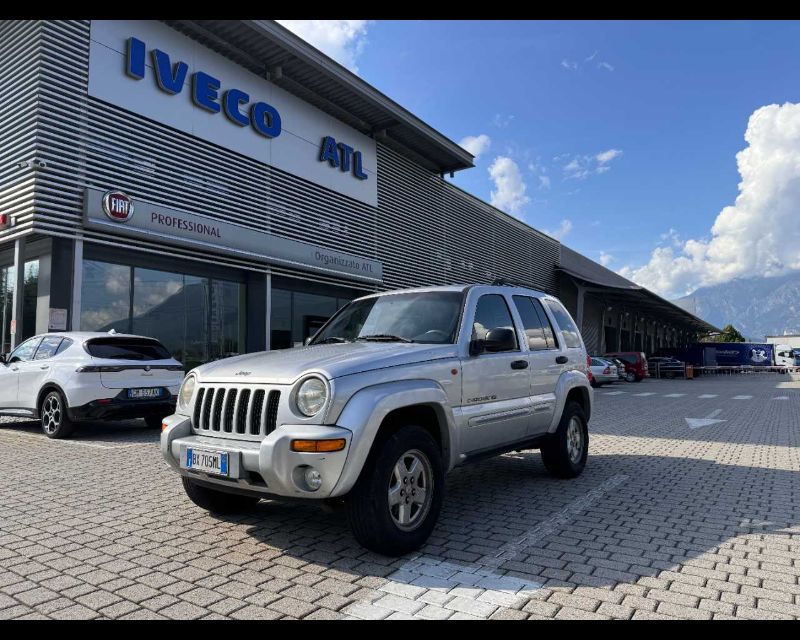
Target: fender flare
49, 384
568, 381
365, 412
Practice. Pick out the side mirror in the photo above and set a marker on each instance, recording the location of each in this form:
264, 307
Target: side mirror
500, 339
477, 347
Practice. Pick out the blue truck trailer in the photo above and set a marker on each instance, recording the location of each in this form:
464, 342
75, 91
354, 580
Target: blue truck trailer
724, 354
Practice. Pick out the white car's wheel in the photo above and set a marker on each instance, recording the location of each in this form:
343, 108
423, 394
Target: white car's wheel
53, 415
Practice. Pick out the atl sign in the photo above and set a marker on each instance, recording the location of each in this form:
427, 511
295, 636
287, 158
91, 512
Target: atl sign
118, 206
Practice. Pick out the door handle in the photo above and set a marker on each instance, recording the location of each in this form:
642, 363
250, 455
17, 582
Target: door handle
562, 359
45, 366
15, 368
519, 364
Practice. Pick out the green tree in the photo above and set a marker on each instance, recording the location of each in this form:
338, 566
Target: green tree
729, 334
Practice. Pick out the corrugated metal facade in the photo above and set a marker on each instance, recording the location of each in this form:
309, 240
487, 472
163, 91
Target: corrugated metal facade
424, 230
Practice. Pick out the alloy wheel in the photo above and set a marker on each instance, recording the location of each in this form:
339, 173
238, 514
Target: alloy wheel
410, 490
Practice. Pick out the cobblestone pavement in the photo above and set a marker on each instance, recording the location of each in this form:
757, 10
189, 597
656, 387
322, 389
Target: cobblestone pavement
671, 519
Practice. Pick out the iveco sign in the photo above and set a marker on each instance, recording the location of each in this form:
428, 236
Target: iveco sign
170, 75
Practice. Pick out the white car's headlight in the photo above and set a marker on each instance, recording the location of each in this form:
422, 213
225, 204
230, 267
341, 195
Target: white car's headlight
311, 396
187, 391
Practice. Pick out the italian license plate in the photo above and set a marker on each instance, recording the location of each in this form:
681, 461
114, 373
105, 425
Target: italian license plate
153, 392
214, 462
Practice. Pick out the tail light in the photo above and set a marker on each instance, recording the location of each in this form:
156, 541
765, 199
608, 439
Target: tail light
589, 368
606, 371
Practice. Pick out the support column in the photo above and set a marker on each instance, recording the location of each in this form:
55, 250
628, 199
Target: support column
77, 284
579, 314
43, 294
19, 292
257, 311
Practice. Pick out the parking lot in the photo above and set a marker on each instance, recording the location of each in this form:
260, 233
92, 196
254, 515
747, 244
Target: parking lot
689, 508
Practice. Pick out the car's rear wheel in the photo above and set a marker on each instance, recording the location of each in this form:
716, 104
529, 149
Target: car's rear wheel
564, 453
396, 502
217, 501
630, 376
53, 415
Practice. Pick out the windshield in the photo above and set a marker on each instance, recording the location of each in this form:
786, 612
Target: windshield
428, 317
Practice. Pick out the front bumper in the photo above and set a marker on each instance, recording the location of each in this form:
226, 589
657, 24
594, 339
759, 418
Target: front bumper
266, 467
121, 407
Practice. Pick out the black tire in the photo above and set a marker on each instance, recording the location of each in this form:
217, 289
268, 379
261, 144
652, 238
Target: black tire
53, 416
556, 449
630, 376
639, 378
153, 422
375, 524
217, 501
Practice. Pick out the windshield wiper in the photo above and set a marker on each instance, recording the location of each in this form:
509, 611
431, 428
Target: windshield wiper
384, 337
332, 340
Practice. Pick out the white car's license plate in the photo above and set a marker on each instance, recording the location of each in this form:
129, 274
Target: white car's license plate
152, 392
214, 462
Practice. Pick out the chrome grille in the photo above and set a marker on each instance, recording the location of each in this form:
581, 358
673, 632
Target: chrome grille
228, 409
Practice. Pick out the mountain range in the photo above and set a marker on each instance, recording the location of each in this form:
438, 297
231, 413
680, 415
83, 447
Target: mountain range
757, 306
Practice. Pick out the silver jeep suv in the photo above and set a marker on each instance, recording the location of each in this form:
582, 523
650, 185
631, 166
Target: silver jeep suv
391, 393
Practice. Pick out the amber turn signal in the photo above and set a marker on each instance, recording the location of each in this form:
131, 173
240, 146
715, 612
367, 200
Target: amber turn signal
318, 446
164, 426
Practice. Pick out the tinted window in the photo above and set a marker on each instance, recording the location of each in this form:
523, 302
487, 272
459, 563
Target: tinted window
66, 343
25, 351
532, 323
492, 313
549, 334
127, 349
572, 337
48, 347
429, 317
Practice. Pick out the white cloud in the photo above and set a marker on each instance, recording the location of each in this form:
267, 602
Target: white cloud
544, 182
502, 121
604, 157
591, 57
605, 258
342, 40
581, 167
509, 193
476, 145
605, 65
564, 227
569, 64
757, 235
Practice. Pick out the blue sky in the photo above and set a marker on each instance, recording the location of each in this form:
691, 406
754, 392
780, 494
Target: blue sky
624, 135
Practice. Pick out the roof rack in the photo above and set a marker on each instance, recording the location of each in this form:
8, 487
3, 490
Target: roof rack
506, 282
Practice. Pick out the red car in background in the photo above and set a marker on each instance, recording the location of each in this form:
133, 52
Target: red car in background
635, 364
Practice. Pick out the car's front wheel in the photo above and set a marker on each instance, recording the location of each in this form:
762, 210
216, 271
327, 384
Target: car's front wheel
53, 415
564, 453
630, 376
396, 502
217, 501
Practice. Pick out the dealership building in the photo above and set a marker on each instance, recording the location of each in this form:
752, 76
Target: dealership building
225, 187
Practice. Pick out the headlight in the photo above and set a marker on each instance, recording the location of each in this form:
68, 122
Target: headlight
187, 391
311, 397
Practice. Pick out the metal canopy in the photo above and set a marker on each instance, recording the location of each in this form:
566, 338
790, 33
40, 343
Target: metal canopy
273, 52
618, 290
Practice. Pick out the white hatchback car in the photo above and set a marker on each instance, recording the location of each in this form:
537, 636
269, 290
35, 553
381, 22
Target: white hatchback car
64, 378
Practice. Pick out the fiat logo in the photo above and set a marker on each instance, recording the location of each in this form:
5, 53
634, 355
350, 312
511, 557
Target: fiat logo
118, 206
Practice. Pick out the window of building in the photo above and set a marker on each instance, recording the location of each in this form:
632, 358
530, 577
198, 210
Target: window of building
197, 319
30, 296
299, 309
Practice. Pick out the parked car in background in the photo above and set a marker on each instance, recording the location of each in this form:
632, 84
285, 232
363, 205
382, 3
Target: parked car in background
603, 372
635, 364
64, 378
620, 367
665, 366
